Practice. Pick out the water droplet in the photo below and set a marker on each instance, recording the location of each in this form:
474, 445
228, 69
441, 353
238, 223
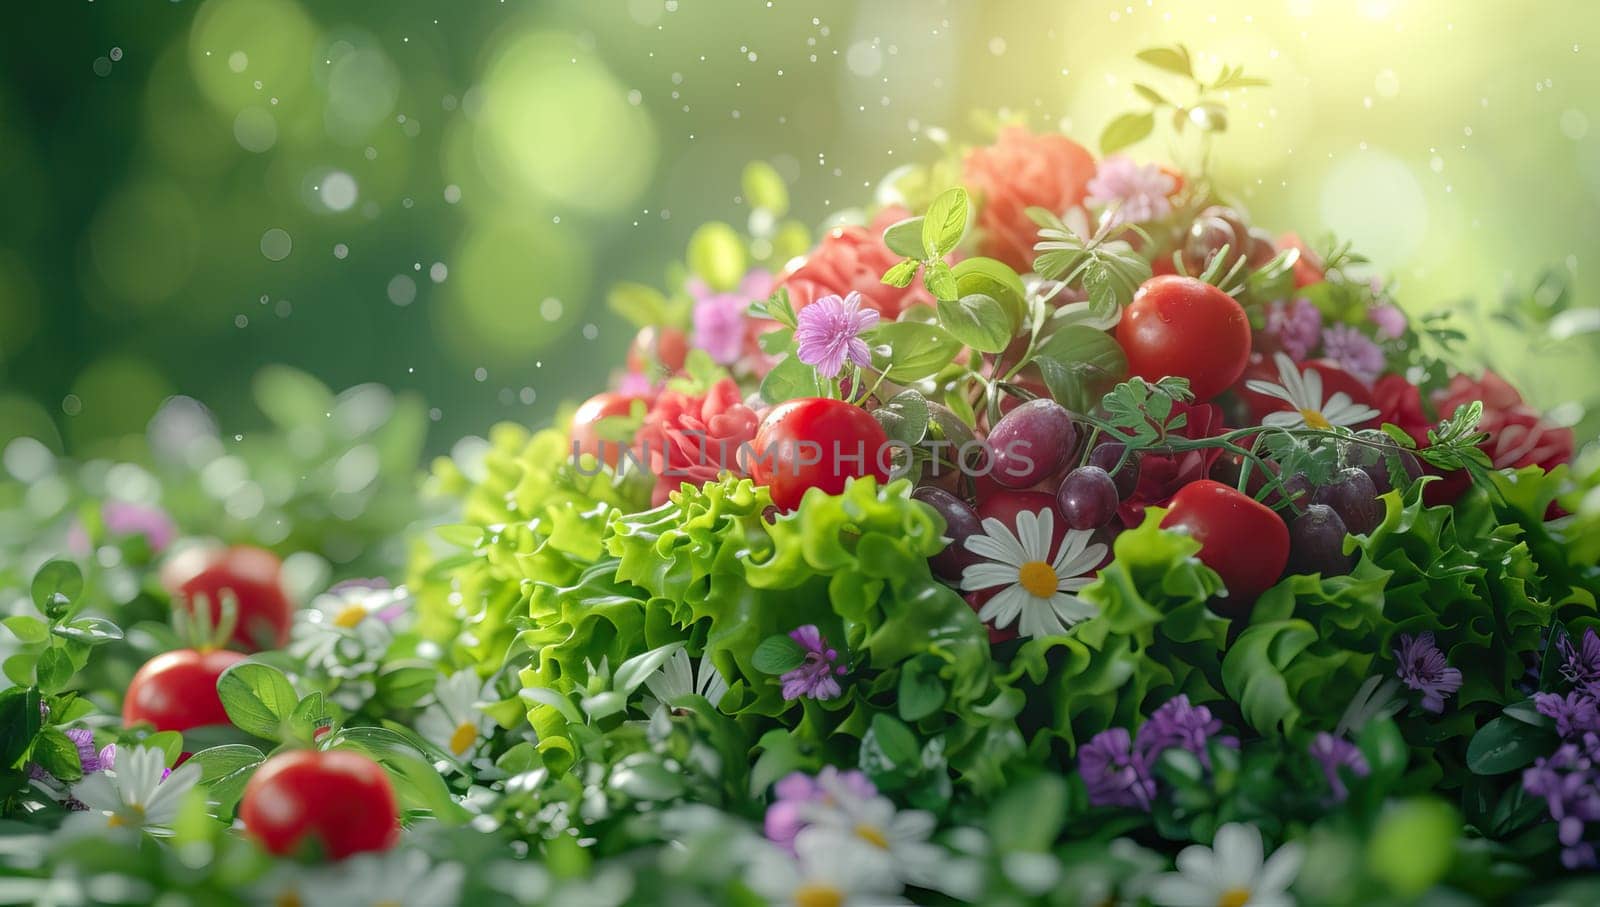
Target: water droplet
276, 244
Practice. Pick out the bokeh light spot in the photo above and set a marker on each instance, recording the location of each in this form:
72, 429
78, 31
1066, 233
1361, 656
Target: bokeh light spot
402, 290
500, 277
1373, 200
276, 244
142, 241
338, 191
255, 129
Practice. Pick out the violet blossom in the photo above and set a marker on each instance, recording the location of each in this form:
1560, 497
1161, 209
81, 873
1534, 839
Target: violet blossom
1334, 753
1298, 326
1424, 668
1113, 773
829, 332
815, 677
1567, 781
1130, 192
122, 519
1178, 723
1354, 352
1574, 714
1581, 664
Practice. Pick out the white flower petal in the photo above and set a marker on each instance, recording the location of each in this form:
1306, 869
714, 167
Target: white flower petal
1176, 890
1238, 850
1280, 871
987, 576
1003, 609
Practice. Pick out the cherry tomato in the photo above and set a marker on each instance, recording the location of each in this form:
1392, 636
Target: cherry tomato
251, 576
337, 801
1185, 327
1240, 538
658, 349
1334, 380
585, 432
816, 442
177, 690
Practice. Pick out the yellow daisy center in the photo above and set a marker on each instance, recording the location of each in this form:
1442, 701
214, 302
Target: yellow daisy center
116, 820
289, 898
350, 616
873, 836
1234, 897
1315, 419
1039, 578
465, 736
813, 895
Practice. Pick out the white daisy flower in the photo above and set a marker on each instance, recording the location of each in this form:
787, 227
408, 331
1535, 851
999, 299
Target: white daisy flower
1232, 874
134, 794
681, 676
399, 878
900, 834
1038, 586
350, 624
1303, 392
454, 721
828, 868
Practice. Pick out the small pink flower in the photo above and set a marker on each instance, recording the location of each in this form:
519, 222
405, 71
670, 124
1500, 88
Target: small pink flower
1297, 325
1354, 352
829, 333
1390, 320
722, 325
1131, 193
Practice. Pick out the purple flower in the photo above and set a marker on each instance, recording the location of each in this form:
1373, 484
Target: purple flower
720, 322
1391, 321
829, 333
1113, 773
1424, 669
1574, 714
1354, 352
797, 792
1298, 326
87, 755
635, 384
815, 676
1581, 665
1567, 782
1177, 723
1130, 192
1334, 753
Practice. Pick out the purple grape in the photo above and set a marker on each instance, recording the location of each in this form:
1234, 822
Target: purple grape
1353, 497
1375, 462
1031, 443
1106, 456
1316, 543
960, 521
1087, 498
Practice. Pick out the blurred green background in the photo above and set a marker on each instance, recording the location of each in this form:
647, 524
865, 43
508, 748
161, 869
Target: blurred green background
435, 195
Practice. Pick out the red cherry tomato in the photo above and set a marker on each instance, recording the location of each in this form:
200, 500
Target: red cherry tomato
177, 690
816, 442
337, 801
252, 577
1185, 327
1334, 380
586, 433
1240, 538
658, 349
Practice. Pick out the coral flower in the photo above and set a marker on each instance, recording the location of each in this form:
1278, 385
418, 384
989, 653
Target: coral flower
689, 438
1020, 171
854, 259
1518, 435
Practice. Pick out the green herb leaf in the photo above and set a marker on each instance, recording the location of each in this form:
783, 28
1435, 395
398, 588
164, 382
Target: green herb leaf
940, 281
764, 188
778, 654
977, 321
57, 754
945, 223
54, 669
55, 587
1505, 745
896, 741
903, 273
28, 630
916, 349
904, 238
904, 417
631, 674
716, 254
637, 304
19, 723
921, 692
1080, 364
1173, 59
94, 631
1125, 130
258, 698
789, 379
